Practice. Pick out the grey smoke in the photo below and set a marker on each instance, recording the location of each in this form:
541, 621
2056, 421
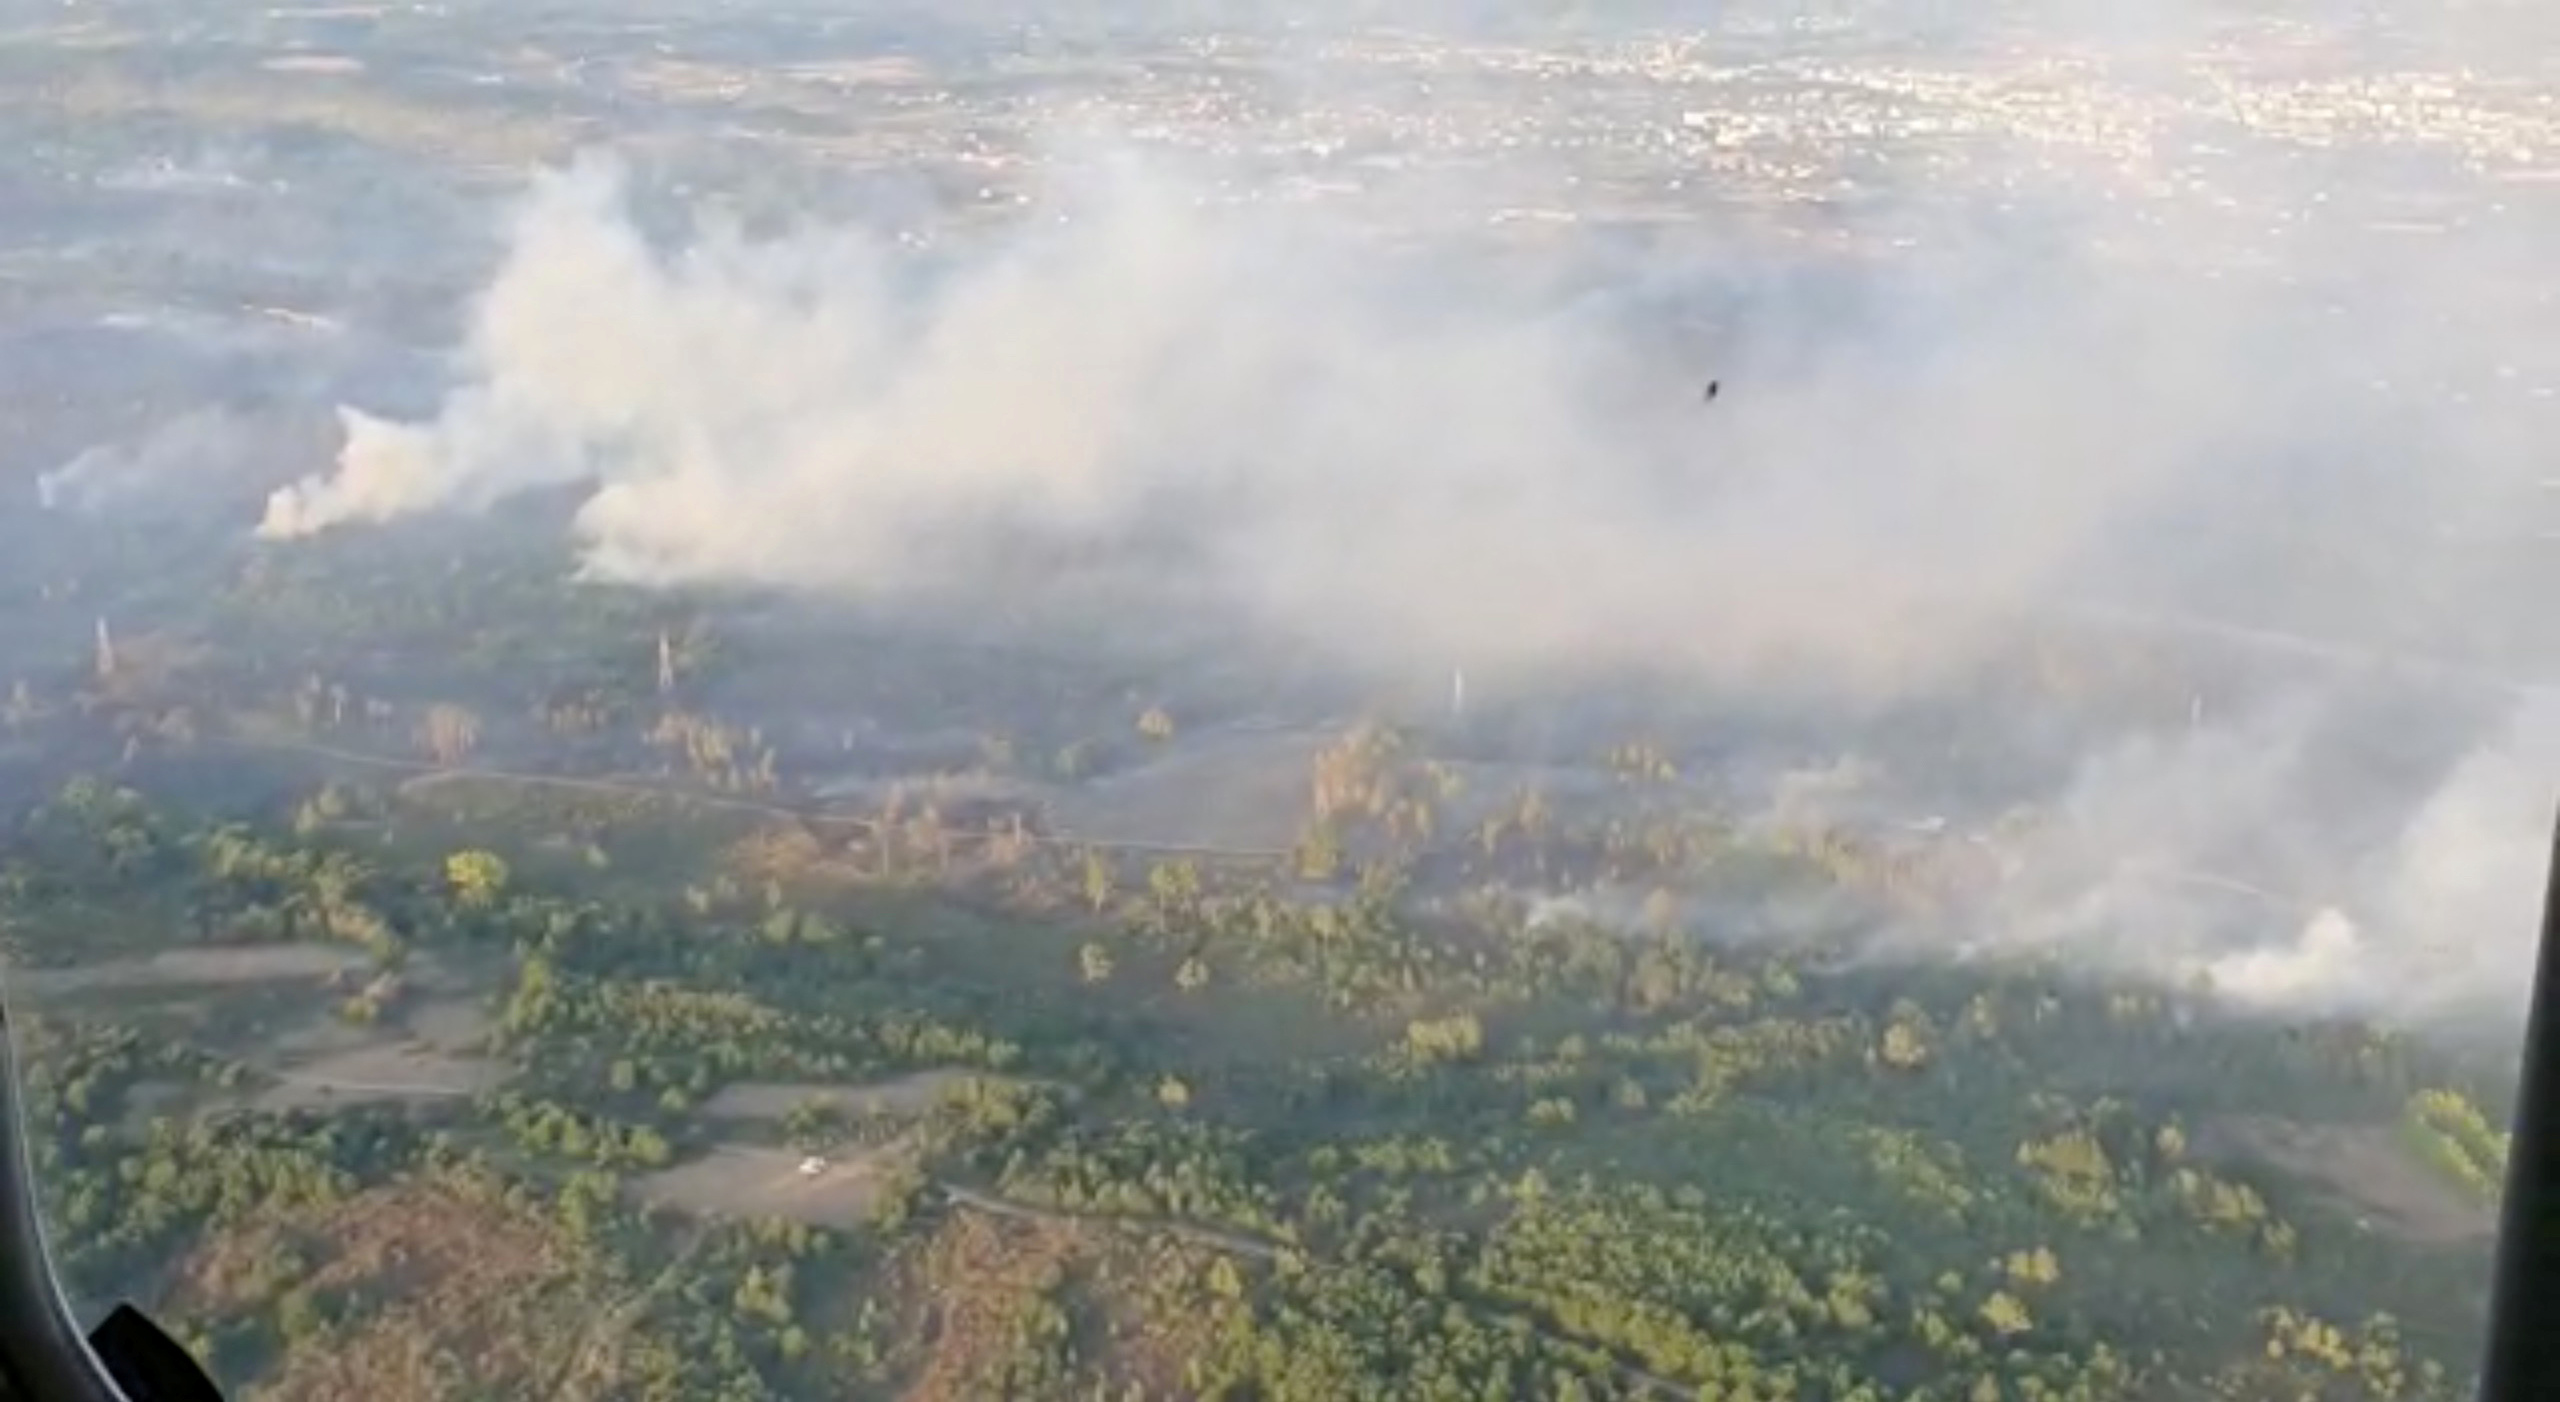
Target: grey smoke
1358, 464
2431, 920
183, 453
1397, 474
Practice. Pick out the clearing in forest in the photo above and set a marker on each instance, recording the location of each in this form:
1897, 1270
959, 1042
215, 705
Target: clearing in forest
384, 1070
749, 1180
2373, 1168
195, 967
427, 1051
1239, 793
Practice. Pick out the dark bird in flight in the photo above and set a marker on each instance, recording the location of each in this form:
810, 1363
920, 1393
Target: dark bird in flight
1714, 388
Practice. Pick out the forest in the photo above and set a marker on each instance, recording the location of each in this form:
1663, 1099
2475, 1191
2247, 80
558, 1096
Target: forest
555, 1024
1207, 1131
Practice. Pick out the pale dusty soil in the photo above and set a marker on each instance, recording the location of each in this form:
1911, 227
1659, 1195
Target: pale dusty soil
194, 967
381, 1071
449, 1024
740, 1180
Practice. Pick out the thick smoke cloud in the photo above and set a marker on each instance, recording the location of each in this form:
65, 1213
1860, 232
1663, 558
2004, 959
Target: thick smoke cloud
1281, 424
1342, 455
2430, 920
2456, 898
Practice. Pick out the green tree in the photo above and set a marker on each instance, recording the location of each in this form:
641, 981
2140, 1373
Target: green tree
1320, 852
1175, 886
2006, 1314
1094, 961
1905, 1047
1457, 1037
1073, 760
476, 876
1097, 880
1224, 1281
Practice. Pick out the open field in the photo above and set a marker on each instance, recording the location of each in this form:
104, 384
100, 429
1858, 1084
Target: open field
386, 1072
180, 969
2372, 1168
1234, 793
745, 1180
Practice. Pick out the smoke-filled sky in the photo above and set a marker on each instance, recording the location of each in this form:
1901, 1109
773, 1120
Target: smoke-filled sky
2333, 436
1349, 458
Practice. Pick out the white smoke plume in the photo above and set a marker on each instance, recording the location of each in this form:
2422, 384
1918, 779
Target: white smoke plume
1345, 457
1352, 457
2431, 920
2455, 903
210, 445
2446, 917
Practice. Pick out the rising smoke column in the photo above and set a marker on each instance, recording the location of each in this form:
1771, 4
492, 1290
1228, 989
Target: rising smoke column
1350, 457
1398, 472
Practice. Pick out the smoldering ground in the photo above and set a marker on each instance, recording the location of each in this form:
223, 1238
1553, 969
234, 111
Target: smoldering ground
1237, 407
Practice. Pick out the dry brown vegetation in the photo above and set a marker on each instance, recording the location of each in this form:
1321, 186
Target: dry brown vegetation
1151, 1344
455, 1294
795, 854
967, 1286
951, 842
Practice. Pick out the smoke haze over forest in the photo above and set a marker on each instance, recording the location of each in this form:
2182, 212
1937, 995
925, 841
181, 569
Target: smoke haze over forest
792, 701
2014, 429
2233, 400
1387, 465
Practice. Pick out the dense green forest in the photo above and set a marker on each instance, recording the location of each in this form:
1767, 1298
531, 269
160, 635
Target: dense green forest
1161, 1126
